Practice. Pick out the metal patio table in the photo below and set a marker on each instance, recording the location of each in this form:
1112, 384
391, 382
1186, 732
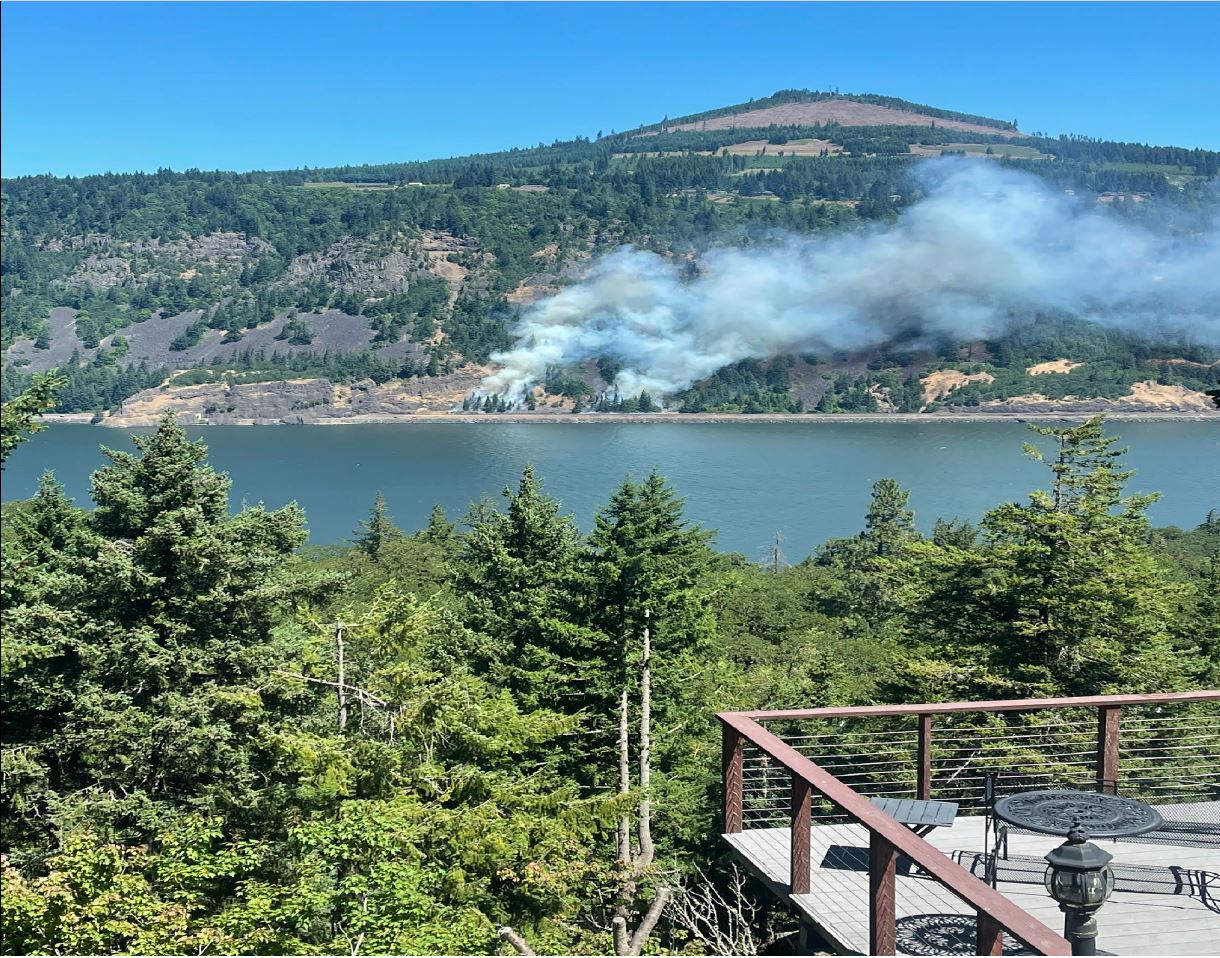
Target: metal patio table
1057, 811
920, 816
1079, 876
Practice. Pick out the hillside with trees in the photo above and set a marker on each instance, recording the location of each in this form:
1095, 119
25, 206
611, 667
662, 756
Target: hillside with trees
410, 271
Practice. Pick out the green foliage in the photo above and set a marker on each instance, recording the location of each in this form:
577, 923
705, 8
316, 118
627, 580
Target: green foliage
296, 331
257, 366
20, 414
1064, 598
748, 386
378, 531
191, 336
630, 404
219, 742
144, 623
516, 568
99, 897
558, 383
97, 384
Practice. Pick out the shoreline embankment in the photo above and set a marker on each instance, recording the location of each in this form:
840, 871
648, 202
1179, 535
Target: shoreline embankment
691, 418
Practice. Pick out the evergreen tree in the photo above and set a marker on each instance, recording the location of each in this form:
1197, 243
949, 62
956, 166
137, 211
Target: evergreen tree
18, 416
439, 529
1065, 597
954, 532
646, 567
889, 525
516, 570
377, 531
136, 650
889, 532
644, 555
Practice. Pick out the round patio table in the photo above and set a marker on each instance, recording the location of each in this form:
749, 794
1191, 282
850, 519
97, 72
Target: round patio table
1058, 811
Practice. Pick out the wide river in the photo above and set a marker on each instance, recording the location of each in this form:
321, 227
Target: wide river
748, 480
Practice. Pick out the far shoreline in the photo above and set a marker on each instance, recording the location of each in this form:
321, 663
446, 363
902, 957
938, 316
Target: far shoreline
669, 417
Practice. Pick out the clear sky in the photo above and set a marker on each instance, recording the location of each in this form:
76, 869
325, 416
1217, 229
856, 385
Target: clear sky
96, 86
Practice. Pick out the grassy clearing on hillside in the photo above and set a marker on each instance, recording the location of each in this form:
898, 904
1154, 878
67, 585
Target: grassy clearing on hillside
1169, 169
980, 149
832, 110
342, 185
809, 146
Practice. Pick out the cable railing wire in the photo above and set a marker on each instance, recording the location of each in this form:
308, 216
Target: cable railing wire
1029, 750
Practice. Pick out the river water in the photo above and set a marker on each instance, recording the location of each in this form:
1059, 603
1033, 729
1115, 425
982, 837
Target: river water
748, 480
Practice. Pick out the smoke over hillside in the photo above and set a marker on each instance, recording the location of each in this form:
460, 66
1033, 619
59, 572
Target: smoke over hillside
984, 247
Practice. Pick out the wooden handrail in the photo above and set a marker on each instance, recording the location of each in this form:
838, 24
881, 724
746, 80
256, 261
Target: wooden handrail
886, 833
887, 838
999, 705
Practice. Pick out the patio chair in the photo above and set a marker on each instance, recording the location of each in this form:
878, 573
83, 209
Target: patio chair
995, 832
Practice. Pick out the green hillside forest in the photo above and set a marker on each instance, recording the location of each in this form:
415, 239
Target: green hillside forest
417, 270
219, 741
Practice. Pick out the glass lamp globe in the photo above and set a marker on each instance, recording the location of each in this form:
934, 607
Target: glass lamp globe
1085, 890
1078, 873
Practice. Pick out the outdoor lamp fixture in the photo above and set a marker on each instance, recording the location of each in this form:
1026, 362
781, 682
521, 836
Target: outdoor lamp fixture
1080, 878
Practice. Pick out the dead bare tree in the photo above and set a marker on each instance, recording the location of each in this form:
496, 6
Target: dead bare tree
635, 863
342, 685
635, 852
520, 945
723, 918
775, 555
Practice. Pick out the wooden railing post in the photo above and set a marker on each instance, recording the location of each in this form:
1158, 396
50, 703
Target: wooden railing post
1109, 723
733, 777
798, 860
882, 869
887, 840
923, 770
989, 935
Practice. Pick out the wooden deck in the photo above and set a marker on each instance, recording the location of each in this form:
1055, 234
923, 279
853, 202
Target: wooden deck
1166, 901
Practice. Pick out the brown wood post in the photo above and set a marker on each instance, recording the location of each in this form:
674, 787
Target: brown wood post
989, 935
923, 770
1109, 723
798, 872
733, 767
882, 868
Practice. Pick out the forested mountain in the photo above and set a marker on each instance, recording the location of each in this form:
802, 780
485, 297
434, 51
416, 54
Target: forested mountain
415, 272
216, 742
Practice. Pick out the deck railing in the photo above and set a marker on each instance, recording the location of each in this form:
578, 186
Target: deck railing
778, 770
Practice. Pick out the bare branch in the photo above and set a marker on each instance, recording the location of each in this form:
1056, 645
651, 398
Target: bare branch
644, 826
624, 777
649, 921
722, 917
342, 683
363, 694
520, 944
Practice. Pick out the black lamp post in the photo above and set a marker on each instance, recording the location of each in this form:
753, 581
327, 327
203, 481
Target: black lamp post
1080, 878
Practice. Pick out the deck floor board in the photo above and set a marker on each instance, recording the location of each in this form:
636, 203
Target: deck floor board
1171, 920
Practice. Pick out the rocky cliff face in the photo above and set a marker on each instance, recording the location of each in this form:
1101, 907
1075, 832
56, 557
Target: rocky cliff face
363, 268
1147, 396
298, 401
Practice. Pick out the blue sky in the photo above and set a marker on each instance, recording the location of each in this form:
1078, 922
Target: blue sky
94, 87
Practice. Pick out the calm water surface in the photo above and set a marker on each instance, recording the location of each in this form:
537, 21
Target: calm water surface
748, 480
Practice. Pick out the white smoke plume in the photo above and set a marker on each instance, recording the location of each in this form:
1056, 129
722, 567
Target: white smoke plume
984, 247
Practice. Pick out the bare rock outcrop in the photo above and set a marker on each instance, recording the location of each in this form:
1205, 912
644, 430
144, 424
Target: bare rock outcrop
299, 401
